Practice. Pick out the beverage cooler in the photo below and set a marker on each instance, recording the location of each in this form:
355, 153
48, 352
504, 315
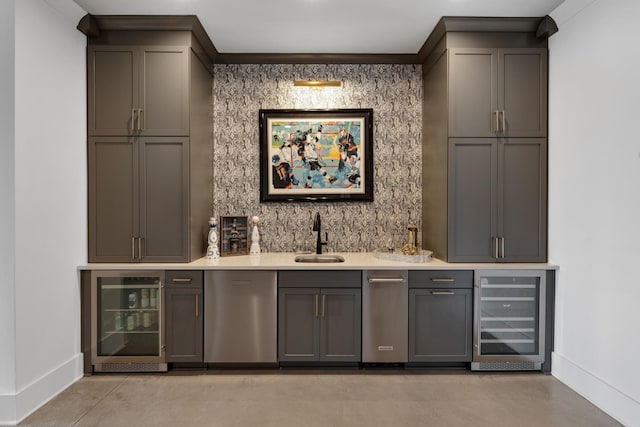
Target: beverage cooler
509, 321
127, 321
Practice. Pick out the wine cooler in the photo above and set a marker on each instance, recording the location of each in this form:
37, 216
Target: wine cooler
127, 321
509, 321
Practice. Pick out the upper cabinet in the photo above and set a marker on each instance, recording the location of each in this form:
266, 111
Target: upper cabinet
497, 92
138, 90
484, 142
149, 138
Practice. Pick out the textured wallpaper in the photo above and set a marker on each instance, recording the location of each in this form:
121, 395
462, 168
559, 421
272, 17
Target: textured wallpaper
395, 94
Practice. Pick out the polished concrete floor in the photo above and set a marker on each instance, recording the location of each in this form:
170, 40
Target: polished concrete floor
351, 398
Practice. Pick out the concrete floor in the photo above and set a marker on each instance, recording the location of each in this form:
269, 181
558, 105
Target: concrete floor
299, 398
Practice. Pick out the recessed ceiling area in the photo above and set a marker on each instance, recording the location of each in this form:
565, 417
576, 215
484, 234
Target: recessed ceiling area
321, 26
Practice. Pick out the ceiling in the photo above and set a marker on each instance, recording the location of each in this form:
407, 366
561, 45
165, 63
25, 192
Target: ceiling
320, 26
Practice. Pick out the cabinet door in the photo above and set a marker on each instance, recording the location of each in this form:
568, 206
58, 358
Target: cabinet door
522, 92
164, 207
298, 325
473, 173
183, 311
522, 219
112, 89
440, 325
164, 94
340, 325
113, 199
472, 92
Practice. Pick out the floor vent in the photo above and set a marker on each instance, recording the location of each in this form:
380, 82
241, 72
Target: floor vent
506, 366
130, 367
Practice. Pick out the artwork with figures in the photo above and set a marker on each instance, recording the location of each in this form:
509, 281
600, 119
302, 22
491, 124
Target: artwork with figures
312, 155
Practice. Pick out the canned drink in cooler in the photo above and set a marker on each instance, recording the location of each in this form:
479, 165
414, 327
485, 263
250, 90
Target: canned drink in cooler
133, 299
144, 298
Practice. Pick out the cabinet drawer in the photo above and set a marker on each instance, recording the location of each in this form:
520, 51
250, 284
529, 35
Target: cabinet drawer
177, 278
320, 279
441, 279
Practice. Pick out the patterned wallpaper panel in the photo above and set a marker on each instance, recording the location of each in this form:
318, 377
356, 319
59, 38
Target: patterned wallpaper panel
395, 94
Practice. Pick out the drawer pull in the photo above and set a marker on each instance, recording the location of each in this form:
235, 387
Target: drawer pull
182, 280
442, 279
442, 293
385, 279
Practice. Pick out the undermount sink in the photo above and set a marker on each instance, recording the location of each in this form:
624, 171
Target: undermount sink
319, 258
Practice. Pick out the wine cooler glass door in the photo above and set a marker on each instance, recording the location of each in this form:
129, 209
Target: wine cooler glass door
128, 318
509, 317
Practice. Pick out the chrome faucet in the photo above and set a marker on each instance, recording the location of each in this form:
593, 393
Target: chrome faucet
317, 226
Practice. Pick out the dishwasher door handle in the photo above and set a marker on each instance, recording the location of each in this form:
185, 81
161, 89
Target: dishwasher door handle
386, 280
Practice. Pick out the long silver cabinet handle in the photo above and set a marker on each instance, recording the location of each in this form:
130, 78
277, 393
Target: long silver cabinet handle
502, 245
133, 247
316, 300
181, 280
140, 247
497, 255
197, 306
497, 114
140, 119
386, 279
442, 293
324, 300
442, 279
504, 122
133, 119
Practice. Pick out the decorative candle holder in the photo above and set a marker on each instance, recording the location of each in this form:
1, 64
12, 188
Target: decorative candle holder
255, 237
213, 252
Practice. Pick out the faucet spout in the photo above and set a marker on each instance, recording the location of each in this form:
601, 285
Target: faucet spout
317, 226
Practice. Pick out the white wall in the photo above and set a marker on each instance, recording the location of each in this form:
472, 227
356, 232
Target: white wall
7, 237
50, 198
594, 201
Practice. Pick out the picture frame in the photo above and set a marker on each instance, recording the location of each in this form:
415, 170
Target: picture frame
234, 235
316, 155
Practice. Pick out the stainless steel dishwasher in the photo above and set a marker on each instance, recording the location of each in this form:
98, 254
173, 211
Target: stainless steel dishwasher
385, 324
240, 317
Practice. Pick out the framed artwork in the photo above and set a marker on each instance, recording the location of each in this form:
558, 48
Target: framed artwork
316, 155
233, 235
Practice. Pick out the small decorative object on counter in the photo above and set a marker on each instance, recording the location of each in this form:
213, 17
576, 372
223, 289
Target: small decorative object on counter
234, 235
411, 247
255, 237
212, 250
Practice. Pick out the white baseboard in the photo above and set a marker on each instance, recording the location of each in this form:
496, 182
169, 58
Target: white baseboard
16, 407
7, 409
614, 402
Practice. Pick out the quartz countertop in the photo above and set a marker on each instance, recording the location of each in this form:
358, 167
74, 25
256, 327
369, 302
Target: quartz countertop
286, 261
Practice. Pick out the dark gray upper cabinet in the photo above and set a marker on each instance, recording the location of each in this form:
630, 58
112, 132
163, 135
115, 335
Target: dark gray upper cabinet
138, 199
149, 147
138, 90
484, 142
497, 203
498, 92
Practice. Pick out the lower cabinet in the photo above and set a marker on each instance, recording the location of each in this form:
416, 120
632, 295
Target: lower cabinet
319, 324
440, 316
184, 314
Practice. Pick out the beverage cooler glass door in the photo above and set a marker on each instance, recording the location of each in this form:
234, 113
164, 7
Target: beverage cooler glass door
127, 321
509, 316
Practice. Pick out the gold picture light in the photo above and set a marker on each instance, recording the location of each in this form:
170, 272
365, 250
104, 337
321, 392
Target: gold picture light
317, 83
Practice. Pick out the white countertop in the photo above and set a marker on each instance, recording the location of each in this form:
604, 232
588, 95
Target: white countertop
285, 261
